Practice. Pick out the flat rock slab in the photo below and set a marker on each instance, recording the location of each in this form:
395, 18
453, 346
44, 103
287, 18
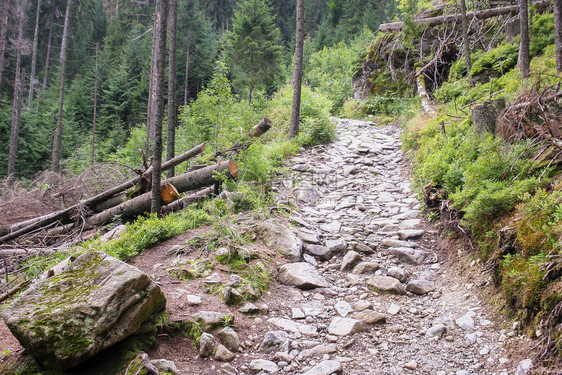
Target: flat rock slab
345, 326
291, 326
319, 251
278, 237
95, 303
325, 368
386, 284
408, 255
301, 275
420, 286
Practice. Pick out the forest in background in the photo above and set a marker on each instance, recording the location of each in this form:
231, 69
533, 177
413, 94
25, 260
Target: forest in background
108, 62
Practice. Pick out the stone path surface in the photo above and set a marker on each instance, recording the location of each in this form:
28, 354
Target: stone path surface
386, 304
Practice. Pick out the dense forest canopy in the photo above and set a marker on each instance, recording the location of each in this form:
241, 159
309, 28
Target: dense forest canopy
109, 43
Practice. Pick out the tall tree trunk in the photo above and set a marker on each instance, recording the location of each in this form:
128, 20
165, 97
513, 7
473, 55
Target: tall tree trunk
93, 151
49, 49
297, 76
250, 89
34, 54
172, 103
149, 130
16, 107
558, 33
465, 45
157, 100
57, 137
524, 58
186, 83
3, 29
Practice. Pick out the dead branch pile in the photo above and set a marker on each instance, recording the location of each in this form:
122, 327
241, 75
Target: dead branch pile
536, 115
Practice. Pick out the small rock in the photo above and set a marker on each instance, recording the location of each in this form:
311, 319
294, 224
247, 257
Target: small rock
386, 284
325, 368
318, 351
308, 237
408, 255
229, 339
319, 251
297, 313
398, 273
412, 365
164, 365
365, 268
466, 322
206, 345
249, 308
349, 260
393, 309
193, 300
410, 233
389, 242
362, 248
336, 246
301, 275
362, 305
264, 365
275, 341
223, 354
524, 367
370, 317
420, 287
343, 308
436, 331
344, 326
210, 319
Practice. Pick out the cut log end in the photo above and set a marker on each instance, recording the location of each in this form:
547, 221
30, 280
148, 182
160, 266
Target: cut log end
233, 168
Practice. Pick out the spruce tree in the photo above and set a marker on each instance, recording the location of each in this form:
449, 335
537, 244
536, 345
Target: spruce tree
252, 50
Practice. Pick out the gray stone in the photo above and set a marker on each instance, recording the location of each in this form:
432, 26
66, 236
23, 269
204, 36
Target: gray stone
275, 341
193, 300
345, 326
436, 331
410, 233
289, 325
164, 365
466, 322
389, 242
325, 368
333, 227
386, 284
95, 303
249, 308
210, 319
393, 309
308, 237
370, 317
223, 354
206, 345
362, 248
279, 238
350, 260
318, 351
343, 308
408, 255
264, 365
229, 339
301, 275
310, 260
420, 286
524, 367
365, 267
113, 233
141, 364
319, 251
336, 246
398, 273
297, 313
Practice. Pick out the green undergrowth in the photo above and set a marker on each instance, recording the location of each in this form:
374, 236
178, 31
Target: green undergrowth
507, 198
381, 108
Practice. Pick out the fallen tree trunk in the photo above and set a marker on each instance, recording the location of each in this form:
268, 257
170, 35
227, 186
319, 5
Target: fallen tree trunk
27, 226
182, 203
481, 14
257, 131
185, 182
424, 97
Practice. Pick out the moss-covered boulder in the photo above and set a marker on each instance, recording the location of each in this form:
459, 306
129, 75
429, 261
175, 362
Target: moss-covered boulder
97, 302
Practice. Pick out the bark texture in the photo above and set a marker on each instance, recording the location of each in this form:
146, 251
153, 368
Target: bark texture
172, 104
32, 79
465, 45
524, 58
297, 76
3, 29
558, 34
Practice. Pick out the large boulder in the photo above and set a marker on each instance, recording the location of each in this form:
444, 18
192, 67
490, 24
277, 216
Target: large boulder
301, 275
278, 237
96, 302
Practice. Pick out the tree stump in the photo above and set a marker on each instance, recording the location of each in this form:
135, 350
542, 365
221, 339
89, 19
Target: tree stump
485, 115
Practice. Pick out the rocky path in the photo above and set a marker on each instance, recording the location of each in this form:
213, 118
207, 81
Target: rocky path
387, 304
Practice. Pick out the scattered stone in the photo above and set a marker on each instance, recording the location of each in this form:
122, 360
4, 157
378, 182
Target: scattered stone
393, 309
95, 303
264, 365
193, 300
278, 237
398, 273
370, 317
308, 237
349, 260
301, 275
275, 341
319, 251
362, 248
325, 368
410, 234
386, 284
389, 242
249, 308
466, 322
362, 305
113, 233
408, 255
333, 227
436, 331
318, 351
210, 319
343, 308
297, 313
345, 326
229, 339
223, 354
365, 268
420, 287
336, 246
289, 325
412, 365
206, 345
524, 367
141, 364
164, 365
